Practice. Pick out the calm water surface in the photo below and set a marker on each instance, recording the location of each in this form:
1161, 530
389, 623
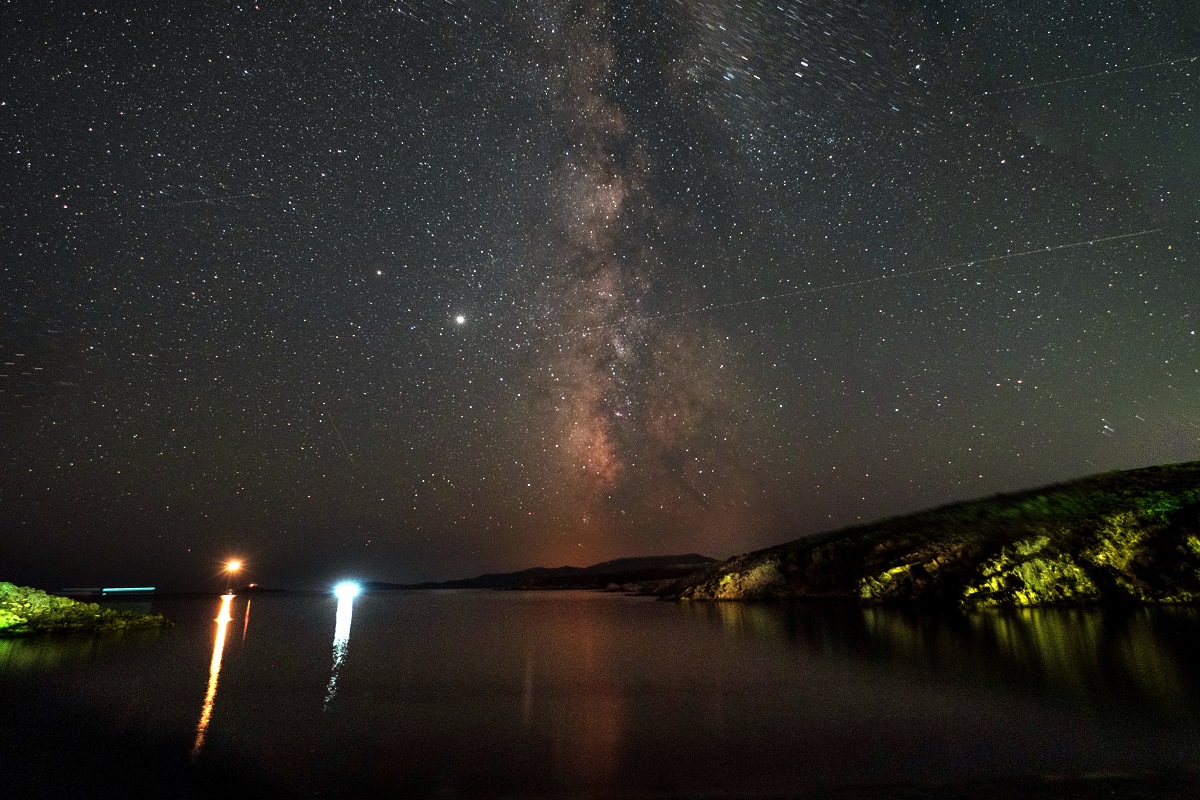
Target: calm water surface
572, 694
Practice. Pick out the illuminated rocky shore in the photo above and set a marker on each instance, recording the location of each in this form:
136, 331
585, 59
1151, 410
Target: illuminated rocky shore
25, 611
1129, 537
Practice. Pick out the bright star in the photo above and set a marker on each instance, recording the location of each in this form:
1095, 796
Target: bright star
460, 319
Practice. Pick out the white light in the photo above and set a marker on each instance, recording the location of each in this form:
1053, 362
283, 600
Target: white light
460, 320
346, 591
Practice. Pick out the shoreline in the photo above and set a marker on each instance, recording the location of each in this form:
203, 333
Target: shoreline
25, 611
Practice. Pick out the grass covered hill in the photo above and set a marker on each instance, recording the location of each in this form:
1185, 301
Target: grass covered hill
24, 610
1120, 537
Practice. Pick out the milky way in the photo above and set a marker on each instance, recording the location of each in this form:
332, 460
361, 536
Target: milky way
632, 402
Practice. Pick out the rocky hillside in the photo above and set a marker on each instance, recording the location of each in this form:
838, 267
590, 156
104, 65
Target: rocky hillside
1121, 537
24, 610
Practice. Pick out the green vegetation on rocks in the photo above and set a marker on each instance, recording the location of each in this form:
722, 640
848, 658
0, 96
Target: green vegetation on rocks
758, 579
24, 610
1122, 537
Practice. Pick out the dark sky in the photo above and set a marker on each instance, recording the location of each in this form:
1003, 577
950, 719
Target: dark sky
426, 289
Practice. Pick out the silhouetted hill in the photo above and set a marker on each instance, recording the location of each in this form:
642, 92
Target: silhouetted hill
1131, 537
621, 571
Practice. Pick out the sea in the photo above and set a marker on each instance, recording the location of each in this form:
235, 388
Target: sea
566, 694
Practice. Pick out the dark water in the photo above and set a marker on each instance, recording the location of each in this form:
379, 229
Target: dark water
573, 694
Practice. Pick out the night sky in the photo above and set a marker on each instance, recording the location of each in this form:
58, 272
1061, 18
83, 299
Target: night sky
425, 289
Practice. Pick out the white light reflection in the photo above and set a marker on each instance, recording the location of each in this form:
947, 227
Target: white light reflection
214, 671
345, 592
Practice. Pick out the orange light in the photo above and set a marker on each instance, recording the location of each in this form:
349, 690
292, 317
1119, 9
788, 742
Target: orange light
233, 566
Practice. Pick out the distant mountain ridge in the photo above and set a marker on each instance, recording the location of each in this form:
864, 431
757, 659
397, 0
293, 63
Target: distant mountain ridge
620, 571
1120, 537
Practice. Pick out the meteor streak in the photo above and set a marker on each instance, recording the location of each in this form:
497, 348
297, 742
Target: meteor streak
1089, 76
767, 298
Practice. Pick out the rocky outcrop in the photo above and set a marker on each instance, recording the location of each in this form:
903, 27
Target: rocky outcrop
1125, 537
24, 610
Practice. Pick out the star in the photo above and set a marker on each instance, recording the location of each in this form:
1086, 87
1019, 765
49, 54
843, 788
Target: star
703, 279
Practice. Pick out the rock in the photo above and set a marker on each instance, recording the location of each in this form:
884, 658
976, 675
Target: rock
1123, 537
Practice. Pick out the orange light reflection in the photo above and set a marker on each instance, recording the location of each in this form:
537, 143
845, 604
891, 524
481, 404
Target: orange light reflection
214, 671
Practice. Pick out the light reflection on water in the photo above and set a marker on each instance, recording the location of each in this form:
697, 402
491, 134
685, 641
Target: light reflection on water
214, 672
341, 641
1089, 653
26, 654
580, 694
1092, 653
575, 693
